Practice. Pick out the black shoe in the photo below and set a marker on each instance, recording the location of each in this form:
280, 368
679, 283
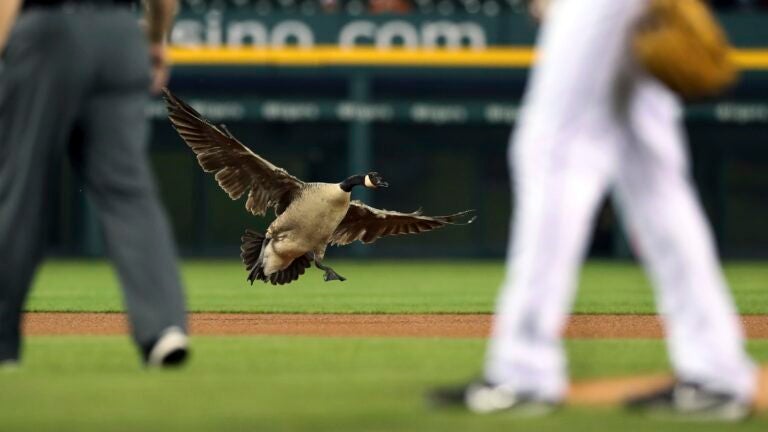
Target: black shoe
484, 398
690, 401
169, 350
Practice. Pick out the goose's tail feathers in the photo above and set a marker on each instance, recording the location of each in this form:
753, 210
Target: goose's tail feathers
251, 251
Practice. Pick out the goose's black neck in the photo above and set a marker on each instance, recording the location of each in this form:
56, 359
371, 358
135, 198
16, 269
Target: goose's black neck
355, 180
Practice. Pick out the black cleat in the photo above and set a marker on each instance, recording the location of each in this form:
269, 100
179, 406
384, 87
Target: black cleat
690, 401
482, 397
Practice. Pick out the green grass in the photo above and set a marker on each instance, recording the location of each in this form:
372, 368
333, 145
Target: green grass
373, 286
320, 384
286, 383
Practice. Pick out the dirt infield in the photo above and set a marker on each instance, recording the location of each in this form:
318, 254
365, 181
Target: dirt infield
612, 391
360, 325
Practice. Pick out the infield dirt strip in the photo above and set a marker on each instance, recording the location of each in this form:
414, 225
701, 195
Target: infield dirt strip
359, 325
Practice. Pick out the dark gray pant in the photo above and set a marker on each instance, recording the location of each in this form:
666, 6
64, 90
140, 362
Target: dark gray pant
88, 67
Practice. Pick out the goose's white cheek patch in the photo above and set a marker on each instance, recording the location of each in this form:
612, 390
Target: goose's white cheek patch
369, 183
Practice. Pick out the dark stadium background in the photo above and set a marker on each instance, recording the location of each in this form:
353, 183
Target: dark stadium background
449, 159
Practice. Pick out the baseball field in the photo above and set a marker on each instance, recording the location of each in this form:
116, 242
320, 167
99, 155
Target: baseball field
352, 356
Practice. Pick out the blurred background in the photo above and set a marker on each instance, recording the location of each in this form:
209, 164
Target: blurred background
327, 88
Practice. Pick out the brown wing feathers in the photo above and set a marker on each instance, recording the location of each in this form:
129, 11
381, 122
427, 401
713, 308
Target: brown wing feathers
236, 168
368, 224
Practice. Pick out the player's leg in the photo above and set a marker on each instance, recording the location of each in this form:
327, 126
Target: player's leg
703, 333
115, 166
563, 157
38, 100
26, 160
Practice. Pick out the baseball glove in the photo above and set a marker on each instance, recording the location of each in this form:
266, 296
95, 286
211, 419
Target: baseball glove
681, 43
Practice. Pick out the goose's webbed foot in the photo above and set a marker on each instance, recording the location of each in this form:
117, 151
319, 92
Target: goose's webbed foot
330, 274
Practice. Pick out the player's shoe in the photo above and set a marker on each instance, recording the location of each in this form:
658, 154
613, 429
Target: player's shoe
170, 349
482, 397
690, 401
9, 365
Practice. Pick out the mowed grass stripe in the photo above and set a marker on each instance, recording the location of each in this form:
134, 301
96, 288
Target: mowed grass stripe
373, 287
234, 384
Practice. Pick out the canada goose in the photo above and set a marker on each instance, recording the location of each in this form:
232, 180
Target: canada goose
310, 216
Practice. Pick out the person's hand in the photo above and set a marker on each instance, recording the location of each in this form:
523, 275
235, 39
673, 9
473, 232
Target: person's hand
538, 9
9, 9
160, 69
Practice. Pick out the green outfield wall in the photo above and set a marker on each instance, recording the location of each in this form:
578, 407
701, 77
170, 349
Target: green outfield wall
428, 101
457, 29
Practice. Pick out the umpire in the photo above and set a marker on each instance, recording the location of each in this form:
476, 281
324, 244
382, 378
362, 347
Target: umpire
86, 63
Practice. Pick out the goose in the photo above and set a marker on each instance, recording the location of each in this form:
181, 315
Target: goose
309, 216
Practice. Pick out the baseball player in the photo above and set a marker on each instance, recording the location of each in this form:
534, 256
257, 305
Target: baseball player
87, 63
594, 122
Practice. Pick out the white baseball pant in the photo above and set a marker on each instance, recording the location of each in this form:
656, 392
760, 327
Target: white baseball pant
593, 122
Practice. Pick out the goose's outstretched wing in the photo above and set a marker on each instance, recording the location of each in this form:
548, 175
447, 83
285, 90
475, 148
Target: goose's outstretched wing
237, 169
368, 224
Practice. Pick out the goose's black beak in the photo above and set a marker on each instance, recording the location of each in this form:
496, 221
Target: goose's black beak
376, 180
